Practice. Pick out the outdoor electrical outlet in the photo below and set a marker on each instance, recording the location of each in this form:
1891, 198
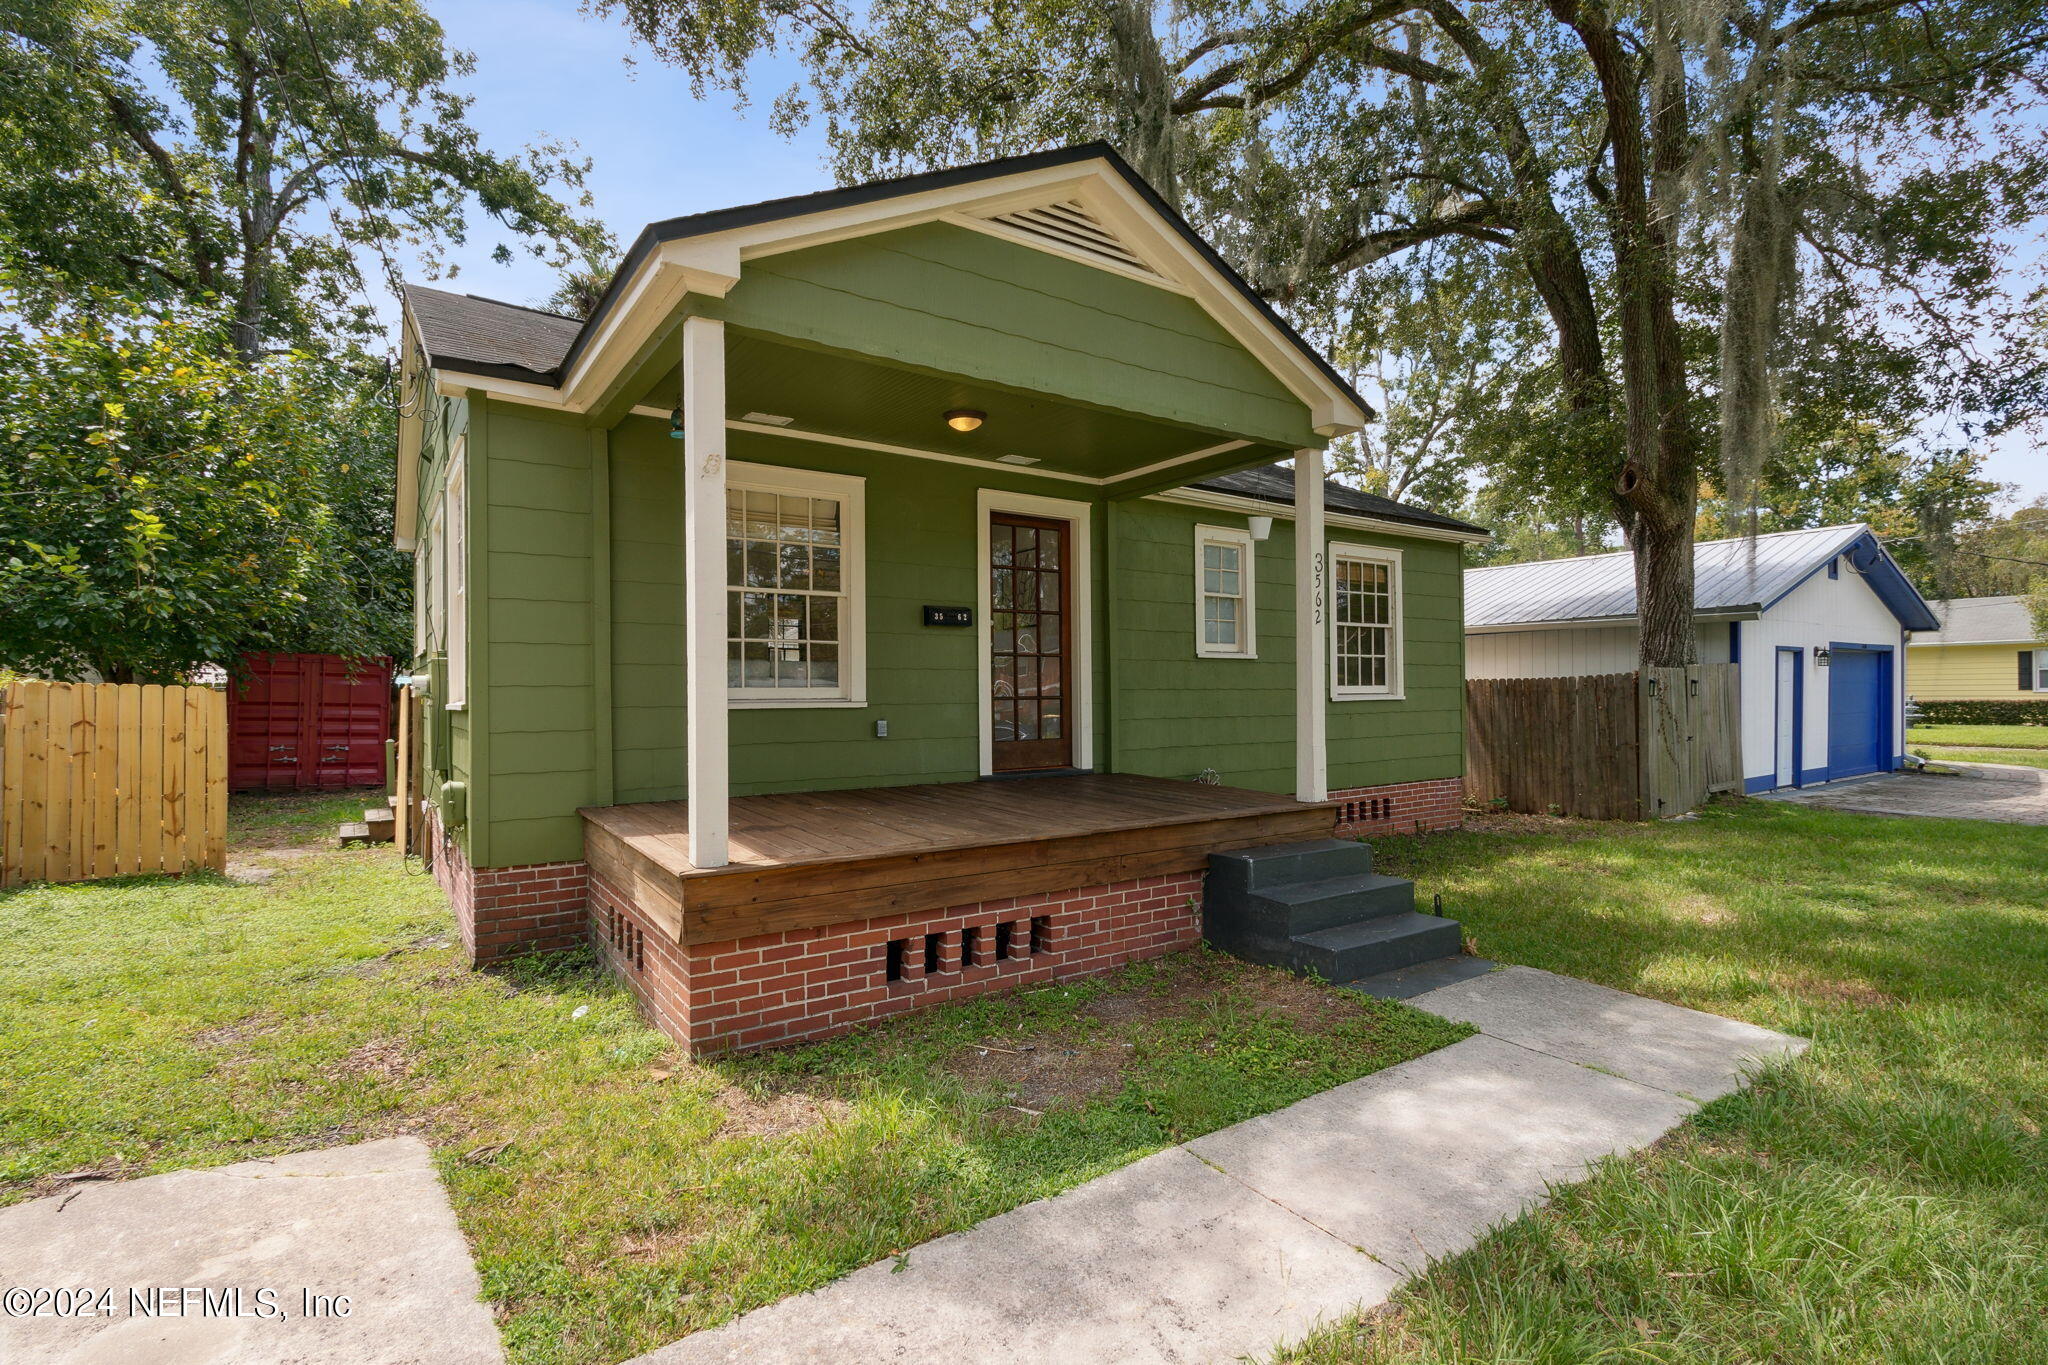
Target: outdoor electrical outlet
881, 729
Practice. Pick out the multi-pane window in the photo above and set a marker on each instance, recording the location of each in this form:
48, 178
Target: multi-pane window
1223, 593
1365, 622
790, 628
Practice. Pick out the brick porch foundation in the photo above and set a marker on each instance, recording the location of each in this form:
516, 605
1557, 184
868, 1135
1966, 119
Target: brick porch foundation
1400, 808
812, 983
501, 911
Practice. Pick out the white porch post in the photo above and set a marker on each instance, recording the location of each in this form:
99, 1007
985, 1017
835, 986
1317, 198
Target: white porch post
1311, 631
704, 572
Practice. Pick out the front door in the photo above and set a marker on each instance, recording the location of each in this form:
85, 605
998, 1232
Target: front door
1029, 643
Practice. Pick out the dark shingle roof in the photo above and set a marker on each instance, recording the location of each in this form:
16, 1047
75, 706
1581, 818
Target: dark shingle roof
1275, 483
698, 224
483, 336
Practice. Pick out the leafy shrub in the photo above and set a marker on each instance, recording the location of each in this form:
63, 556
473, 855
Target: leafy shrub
2008, 711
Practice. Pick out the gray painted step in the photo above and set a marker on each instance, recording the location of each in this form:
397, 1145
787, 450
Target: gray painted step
1257, 869
1305, 907
1351, 951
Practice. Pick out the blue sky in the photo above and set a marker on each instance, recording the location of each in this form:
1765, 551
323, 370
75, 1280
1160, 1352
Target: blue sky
544, 69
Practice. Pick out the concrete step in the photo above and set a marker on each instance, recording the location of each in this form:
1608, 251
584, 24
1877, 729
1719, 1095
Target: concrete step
1351, 951
1257, 869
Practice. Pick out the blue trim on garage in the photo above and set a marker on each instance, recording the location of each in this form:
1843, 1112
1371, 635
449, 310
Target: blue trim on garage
1850, 755
1813, 777
1735, 642
1885, 578
1752, 785
1798, 653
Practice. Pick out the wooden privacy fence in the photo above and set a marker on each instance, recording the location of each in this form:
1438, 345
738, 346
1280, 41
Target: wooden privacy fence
107, 779
1611, 746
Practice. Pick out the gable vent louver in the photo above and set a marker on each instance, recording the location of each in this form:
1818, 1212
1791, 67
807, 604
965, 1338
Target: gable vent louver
1068, 225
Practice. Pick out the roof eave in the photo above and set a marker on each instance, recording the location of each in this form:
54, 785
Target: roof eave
1343, 412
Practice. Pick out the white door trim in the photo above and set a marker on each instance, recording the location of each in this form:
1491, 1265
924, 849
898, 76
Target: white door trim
1081, 606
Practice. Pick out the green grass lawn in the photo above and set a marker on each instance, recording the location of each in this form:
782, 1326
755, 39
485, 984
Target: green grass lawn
2019, 758
616, 1196
1981, 736
1885, 1199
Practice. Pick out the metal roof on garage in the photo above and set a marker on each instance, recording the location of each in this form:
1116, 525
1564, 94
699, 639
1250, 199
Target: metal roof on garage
1743, 576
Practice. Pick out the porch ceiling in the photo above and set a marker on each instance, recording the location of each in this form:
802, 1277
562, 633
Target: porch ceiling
835, 393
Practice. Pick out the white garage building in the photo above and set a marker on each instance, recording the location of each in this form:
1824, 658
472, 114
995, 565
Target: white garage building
1816, 620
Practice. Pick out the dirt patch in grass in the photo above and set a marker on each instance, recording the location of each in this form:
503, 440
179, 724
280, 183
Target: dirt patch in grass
1835, 991
1040, 1073
235, 1034
1568, 828
1089, 1058
773, 1111
379, 1059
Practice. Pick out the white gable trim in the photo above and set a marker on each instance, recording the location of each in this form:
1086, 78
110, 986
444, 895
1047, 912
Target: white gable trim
710, 265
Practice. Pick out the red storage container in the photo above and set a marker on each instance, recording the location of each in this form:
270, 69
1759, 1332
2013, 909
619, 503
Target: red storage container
308, 720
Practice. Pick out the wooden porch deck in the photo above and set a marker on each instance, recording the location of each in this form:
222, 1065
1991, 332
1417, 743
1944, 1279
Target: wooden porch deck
808, 858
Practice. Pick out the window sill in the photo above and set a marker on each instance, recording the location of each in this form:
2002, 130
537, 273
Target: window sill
1368, 696
455, 705
792, 704
1209, 654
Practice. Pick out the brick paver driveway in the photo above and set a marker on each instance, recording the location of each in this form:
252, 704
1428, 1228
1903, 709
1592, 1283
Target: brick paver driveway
1979, 791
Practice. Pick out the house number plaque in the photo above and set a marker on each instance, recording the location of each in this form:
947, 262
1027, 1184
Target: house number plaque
949, 616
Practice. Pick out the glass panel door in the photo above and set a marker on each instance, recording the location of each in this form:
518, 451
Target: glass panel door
1029, 644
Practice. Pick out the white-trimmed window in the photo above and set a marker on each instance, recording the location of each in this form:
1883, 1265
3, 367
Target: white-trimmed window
2041, 670
1223, 594
794, 545
455, 573
1365, 623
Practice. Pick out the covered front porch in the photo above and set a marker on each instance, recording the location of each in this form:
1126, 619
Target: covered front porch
800, 860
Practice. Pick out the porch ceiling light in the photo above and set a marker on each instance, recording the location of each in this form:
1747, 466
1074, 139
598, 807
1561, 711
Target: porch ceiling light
965, 419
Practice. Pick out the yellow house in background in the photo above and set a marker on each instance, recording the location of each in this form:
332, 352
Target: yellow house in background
1987, 649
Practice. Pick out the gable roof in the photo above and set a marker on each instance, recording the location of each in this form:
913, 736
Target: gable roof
1731, 578
484, 336
1982, 621
469, 348
1275, 483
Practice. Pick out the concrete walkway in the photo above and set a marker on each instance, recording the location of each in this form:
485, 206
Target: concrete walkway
369, 1222
1249, 1237
1975, 791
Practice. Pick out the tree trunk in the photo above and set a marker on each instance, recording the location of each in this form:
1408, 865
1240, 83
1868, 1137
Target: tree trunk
1657, 494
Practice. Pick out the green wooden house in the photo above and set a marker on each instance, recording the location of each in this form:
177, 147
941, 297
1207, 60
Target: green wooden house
899, 591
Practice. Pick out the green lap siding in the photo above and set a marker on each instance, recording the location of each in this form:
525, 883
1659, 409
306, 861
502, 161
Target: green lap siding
575, 549
948, 298
533, 625
1178, 715
577, 674
923, 680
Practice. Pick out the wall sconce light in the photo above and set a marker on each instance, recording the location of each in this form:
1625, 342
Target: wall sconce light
1261, 527
675, 424
965, 419
1820, 658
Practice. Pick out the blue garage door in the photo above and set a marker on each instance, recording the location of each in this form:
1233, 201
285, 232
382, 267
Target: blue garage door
1859, 707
